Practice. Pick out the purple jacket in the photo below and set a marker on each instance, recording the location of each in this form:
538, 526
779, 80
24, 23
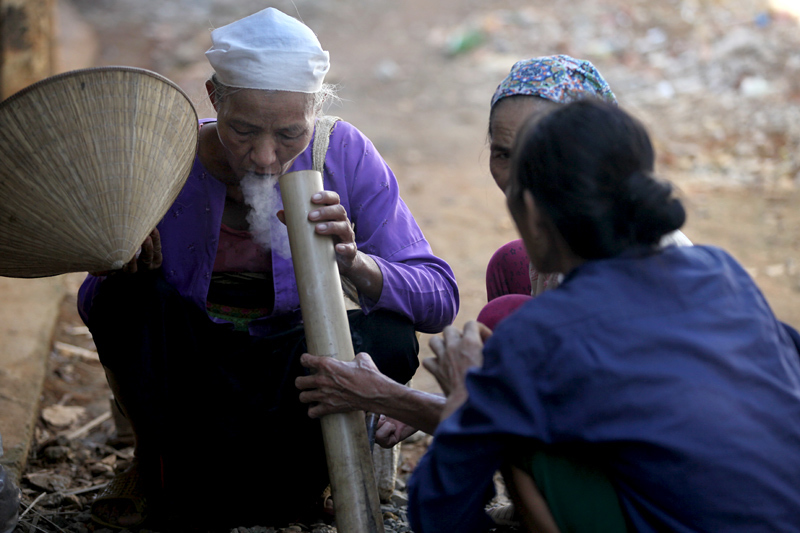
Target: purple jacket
416, 283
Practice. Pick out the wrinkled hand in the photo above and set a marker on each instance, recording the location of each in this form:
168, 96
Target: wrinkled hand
331, 219
391, 431
455, 353
149, 258
339, 386
360, 268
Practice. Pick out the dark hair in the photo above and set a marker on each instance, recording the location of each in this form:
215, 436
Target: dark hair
589, 165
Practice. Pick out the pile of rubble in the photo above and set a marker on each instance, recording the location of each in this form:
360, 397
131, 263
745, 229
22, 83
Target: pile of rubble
718, 83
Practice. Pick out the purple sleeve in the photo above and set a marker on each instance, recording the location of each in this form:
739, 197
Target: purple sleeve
416, 283
424, 289
86, 295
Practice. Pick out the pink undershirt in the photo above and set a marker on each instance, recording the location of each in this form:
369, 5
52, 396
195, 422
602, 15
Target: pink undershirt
237, 252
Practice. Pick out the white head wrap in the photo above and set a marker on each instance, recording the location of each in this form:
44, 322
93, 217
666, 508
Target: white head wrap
268, 50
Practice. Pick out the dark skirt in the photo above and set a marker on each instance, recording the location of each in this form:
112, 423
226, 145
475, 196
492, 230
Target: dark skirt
220, 429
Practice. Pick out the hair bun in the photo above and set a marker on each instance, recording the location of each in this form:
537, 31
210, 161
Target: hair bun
588, 164
653, 209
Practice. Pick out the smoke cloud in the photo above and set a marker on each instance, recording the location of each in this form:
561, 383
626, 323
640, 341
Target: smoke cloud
262, 194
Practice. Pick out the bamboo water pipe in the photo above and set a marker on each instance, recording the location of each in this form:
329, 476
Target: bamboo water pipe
355, 492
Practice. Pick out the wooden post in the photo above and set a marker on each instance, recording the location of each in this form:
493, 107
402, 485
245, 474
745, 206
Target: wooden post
355, 492
27, 51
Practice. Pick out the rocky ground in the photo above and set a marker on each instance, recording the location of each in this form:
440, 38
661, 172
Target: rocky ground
717, 82
78, 447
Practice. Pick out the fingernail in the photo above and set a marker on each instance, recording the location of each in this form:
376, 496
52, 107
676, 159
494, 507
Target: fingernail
313, 215
322, 227
317, 196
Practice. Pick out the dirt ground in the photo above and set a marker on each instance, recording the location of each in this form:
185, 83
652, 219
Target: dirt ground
716, 81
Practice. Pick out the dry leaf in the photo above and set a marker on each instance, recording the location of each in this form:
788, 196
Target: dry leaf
62, 416
48, 481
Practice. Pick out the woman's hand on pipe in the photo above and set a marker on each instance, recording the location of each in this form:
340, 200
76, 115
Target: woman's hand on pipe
360, 268
338, 386
331, 219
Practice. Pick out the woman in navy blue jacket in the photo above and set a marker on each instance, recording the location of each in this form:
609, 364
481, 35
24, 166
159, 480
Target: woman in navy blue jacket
663, 369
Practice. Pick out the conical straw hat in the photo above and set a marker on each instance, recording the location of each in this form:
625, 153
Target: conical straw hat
90, 161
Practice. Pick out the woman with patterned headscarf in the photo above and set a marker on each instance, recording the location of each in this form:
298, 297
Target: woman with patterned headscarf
534, 87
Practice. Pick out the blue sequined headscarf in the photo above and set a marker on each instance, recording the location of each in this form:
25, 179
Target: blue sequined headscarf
561, 79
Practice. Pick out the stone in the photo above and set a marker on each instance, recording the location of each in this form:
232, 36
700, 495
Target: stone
400, 499
56, 454
62, 416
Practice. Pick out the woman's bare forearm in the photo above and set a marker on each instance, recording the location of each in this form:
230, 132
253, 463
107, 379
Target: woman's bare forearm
366, 275
416, 408
340, 386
